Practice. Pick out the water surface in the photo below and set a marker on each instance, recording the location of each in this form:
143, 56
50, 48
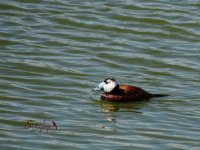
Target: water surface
54, 52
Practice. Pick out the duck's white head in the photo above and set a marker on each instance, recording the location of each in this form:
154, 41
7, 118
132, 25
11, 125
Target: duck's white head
107, 86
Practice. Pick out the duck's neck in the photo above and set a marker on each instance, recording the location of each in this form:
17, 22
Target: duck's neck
116, 91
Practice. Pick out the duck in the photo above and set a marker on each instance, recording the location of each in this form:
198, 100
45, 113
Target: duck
112, 91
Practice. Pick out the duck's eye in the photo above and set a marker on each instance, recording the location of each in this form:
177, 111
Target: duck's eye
107, 81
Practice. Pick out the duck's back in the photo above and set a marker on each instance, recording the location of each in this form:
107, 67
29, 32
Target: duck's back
133, 90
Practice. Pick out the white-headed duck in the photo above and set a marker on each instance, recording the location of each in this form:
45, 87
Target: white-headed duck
121, 92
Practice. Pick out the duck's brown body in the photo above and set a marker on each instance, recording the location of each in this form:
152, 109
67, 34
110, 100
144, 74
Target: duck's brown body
128, 93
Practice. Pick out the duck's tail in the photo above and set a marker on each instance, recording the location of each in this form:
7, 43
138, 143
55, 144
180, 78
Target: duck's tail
159, 95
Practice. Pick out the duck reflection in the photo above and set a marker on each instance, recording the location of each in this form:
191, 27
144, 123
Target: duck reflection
107, 106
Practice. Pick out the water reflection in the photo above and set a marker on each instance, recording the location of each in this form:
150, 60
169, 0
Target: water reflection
121, 107
110, 108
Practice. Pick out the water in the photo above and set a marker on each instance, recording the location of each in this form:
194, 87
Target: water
54, 52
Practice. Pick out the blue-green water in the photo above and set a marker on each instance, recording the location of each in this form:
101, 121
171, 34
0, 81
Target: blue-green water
52, 53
